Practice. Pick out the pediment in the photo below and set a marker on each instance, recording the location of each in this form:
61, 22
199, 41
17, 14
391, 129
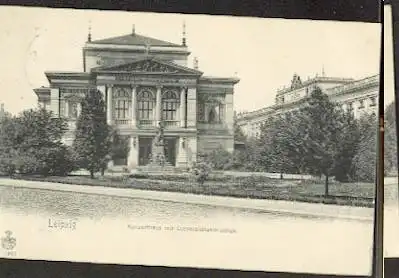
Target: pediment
149, 66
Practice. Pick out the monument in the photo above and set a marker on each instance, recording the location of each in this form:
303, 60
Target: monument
158, 158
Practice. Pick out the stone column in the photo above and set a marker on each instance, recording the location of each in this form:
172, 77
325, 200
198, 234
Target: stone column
133, 153
134, 105
181, 160
191, 107
158, 106
55, 101
66, 108
109, 104
183, 107
78, 109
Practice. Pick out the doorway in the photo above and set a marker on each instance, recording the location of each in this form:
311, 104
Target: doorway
145, 147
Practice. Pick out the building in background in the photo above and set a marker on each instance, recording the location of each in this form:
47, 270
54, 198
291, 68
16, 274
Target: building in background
145, 81
3, 112
359, 96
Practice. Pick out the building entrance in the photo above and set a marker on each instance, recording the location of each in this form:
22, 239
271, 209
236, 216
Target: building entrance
145, 150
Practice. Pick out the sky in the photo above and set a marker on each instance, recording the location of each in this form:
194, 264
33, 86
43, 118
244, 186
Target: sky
389, 85
263, 53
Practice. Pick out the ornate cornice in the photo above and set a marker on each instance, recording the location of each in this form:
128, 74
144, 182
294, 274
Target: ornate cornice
314, 81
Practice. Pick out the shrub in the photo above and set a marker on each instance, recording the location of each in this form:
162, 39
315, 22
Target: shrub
7, 162
201, 170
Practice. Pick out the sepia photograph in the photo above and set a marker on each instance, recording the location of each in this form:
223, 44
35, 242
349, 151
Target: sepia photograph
391, 200
189, 140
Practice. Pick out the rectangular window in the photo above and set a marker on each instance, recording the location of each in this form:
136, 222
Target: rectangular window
169, 110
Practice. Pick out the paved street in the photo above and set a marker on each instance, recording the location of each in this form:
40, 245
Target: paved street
152, 228
391, 218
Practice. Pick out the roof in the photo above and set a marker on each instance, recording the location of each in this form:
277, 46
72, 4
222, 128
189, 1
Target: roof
135, 39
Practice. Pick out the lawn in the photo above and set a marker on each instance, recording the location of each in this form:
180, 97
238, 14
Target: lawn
353, 194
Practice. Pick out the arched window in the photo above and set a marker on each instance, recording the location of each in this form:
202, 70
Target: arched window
145, 102
122, 103
170, 105
212, 115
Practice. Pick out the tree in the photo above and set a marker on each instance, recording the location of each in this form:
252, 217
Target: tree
31, 143
201, 169
322, 124
390, 140
349, 139
238, 133
364, 161
92, 142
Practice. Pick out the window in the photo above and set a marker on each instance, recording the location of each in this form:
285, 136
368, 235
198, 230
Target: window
170, 105
122, 101
145, 102
122, 109
216, 114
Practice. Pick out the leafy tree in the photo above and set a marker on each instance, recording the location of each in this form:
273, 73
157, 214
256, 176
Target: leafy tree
238, 133
8, 152
321, 135
92, 142
280, 144
219, 159
390, 140
349, 139
364, 161
31, 143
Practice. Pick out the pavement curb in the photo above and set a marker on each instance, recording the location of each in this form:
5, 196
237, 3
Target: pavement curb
271, 206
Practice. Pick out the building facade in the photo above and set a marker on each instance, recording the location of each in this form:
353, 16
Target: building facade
358, 96
146, 81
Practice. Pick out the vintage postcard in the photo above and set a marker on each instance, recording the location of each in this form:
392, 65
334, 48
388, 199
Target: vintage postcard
188, 140
391, 204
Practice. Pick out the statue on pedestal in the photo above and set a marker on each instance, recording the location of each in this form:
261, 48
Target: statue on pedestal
158, 157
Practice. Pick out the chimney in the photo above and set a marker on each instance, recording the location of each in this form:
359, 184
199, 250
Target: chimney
133, 30
195, 63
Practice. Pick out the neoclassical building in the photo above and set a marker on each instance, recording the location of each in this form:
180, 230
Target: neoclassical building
145, 81
358, 96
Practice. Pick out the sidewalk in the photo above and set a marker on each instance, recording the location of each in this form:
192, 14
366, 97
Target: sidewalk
283, 207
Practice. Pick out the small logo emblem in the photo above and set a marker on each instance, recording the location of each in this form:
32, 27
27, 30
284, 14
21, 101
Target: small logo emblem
8, 242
